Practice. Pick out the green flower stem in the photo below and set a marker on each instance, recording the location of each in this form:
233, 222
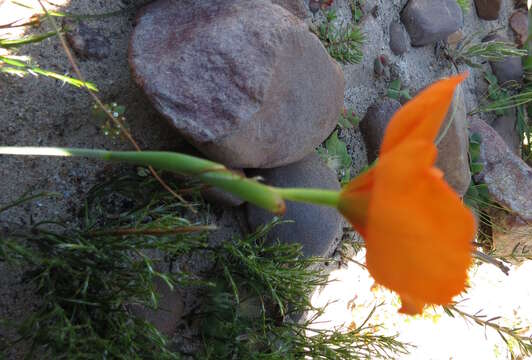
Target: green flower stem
207, 171
311, 196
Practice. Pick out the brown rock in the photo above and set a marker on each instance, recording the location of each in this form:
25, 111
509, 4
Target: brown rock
488, 9
508, 177
455, 38
512, 236
519, 24
244, 81
453, 148
374, 124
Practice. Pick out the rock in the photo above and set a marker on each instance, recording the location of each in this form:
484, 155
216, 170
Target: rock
374, 123
488, 9
87, 42
296, 7
519, 24
169, 311
428, 21
221, 197
506, 128
508, 177
453, 148
314, 5
512, 237
398, 38
508, 70
454, 39
317, 228
244, 81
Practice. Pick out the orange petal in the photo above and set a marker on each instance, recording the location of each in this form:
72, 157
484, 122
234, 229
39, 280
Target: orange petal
355, 198
418, 231
421, 117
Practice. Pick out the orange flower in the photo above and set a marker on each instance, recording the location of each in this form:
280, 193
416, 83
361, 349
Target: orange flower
418, 233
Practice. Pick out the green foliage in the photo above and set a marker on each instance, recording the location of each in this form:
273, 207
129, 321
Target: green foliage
111, 128
356, 10
336, 156
396, 92
255, 280
344, 44
511, 336
87, 276
348, 119
22, 66
477, 195
473, 54
464, 5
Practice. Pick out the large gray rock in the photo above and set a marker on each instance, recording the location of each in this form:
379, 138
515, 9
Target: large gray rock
428, 21
244, 81
488, 9
453, 148
374, 123
317, 228
508, 177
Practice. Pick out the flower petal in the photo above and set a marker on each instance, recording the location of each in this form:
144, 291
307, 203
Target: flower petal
355, 198
419, 233
421, 117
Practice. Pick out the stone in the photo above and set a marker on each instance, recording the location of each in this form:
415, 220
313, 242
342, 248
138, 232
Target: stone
512, 237
374, 123
296, 7
506, 128
488, 9
454, 39
509, 70
453, 148
244, 81
428, 21
519, 24
398, 38
317, 228
87, 42
169, 309
508, 177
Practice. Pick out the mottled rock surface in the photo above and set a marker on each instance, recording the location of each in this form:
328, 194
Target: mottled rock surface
512, 236
296, 7
509, 178
428, 21
488, 9
519, 24
245, 82
317, 228
374, 123
398, 38
453, 148
505, 127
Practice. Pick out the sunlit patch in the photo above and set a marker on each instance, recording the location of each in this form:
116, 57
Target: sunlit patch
15, 14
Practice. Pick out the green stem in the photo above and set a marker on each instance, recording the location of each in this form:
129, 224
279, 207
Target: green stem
207, 171
311, 196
